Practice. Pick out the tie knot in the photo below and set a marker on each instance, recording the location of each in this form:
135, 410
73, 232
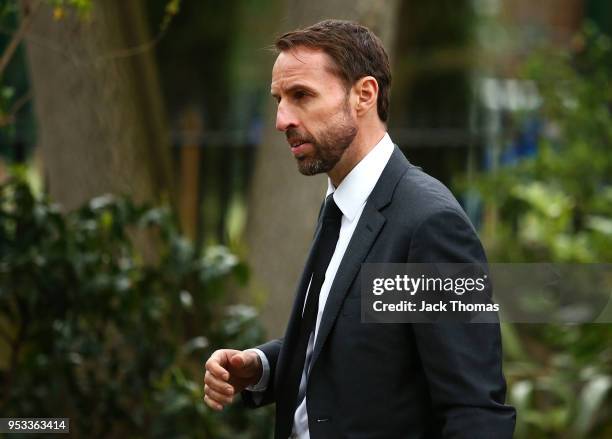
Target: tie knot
331, 211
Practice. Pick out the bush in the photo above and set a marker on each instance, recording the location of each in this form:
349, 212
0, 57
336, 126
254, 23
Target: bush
100, 325
557, 207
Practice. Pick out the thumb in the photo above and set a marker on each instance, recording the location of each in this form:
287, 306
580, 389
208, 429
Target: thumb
242, 361
238, 361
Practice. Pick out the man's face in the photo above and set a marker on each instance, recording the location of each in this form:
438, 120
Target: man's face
313, 109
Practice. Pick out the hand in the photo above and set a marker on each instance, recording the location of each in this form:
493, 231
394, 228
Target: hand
229, 372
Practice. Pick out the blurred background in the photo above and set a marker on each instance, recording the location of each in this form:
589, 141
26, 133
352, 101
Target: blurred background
139, 166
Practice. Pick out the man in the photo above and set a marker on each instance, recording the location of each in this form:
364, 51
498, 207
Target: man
332, 376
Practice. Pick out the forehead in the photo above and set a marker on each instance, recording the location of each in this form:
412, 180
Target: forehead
302, 64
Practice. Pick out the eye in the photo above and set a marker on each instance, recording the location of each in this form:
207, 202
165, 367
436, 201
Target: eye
299, 95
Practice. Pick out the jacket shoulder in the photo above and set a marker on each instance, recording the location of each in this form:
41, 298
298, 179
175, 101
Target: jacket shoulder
418, 196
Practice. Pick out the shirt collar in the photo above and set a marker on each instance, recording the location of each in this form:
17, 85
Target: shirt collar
356, 187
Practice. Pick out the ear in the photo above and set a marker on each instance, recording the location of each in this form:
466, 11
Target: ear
366, 91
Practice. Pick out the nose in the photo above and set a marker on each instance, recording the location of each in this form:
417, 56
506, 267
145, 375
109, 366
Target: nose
285, 118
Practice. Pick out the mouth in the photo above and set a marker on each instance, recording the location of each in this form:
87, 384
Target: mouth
298, 147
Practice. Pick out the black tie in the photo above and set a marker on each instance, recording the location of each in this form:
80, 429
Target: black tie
323, 250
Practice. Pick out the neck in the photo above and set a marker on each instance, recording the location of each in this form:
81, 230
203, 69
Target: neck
365, 140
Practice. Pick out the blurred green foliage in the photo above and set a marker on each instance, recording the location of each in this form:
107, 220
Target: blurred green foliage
557, 206
100, 325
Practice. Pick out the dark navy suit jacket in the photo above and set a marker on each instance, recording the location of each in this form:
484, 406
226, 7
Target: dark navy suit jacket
397, 380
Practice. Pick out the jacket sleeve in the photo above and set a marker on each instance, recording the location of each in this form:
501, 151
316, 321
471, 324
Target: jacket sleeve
271, 350
462, 361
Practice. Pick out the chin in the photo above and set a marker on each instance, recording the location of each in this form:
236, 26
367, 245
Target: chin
309, 166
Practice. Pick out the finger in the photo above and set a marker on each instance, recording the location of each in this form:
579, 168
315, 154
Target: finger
218, 397
212, 404
218, 385
213, 365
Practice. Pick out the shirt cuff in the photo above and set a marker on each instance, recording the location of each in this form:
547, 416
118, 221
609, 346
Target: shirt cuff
262, 384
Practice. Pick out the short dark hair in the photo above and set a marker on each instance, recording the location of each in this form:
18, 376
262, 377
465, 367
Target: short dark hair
355, 50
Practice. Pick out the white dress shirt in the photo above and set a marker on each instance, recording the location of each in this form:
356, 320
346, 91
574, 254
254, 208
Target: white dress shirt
350, 196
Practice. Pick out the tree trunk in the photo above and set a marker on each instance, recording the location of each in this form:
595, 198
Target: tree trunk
100, 119
283, 204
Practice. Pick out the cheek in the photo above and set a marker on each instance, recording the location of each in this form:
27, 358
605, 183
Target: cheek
318, 117
341, 116
331, 113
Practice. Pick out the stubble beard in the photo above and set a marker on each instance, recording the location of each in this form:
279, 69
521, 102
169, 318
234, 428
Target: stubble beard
330, 144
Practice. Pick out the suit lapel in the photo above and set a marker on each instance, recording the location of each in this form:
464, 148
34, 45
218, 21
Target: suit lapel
369, 226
